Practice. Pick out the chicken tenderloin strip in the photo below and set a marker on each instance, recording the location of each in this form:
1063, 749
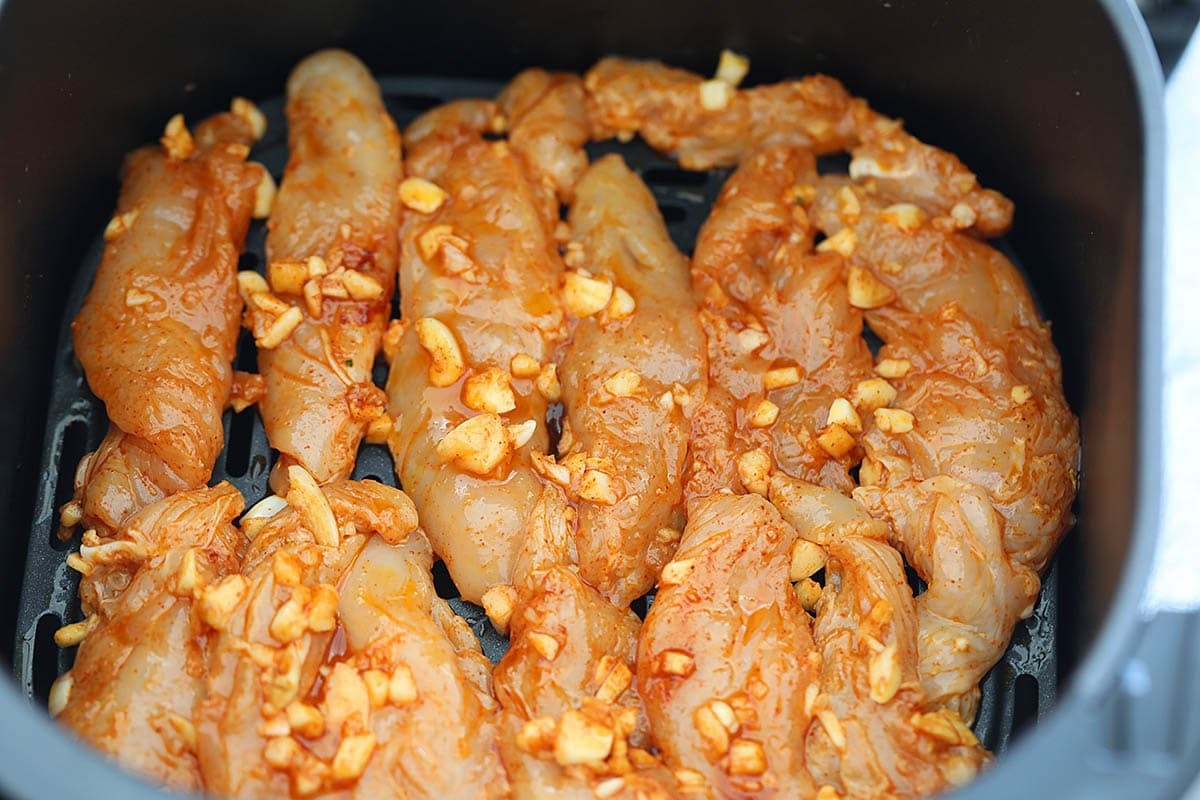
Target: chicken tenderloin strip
546, 116
877, 732
726, 657
139, 668
949, 532
331, 253
572, 722
785, 343
968, 368
157, 332
408, 710
274, 623
709, 123
874, 736
634, 370
474, 369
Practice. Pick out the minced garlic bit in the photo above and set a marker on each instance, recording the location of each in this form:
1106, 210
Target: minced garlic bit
750, 339
807, 558
884, 674
597, 487
763, 414
177, 139
623, 383
781, 377
305, 496
402, 686
520, 433
905, 216
422, 196
1020, 394
754, 470
478, 444
714, 734
489, 390
715, 95
893, 420
843, 242
280, 329
676, 572
544, 644
547, 383
873, 393
581, 740
746, 757
732, 67
836, 441
60, 694
264, 194
865, 291
499, 602
585, 295
446, 359
622, 304
523, 365
893, 368
842, 413
119, 224
248, 111
287, 275
674, 662
218, 601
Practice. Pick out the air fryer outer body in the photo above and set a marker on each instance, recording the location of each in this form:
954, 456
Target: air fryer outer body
1056, 104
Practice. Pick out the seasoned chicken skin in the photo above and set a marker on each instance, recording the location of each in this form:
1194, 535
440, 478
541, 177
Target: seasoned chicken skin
572, 722
784, 342
634, 370
331, 252
473, 372
726, 656
158, 329
140, 669
705, 124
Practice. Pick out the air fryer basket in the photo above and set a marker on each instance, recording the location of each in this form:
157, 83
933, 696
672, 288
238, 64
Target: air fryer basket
1057, 106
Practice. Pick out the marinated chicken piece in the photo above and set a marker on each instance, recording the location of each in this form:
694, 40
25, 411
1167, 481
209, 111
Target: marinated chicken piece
951, 535
921, 264
973, 379
710, 123
634, 370
157, 333
195, 518
276, 621
872, 735
572, 723
408, 710
706, 124
726, 658
473, 372
785, 345
139, 670
331, 252
547, 120
822, 515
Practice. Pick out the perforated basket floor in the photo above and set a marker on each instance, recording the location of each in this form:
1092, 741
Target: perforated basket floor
1018, 690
